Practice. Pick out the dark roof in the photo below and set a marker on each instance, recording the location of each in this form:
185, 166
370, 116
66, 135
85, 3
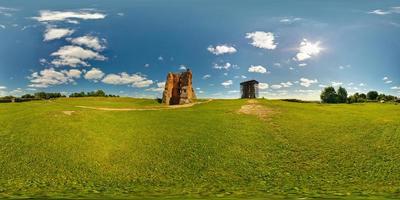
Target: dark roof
249, 82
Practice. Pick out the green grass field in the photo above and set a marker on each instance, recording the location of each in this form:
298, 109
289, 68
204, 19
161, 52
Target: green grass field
205, 151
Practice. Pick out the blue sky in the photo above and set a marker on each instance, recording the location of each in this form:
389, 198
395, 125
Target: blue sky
293, 48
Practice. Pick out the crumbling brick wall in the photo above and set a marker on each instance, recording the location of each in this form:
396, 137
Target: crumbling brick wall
178, 88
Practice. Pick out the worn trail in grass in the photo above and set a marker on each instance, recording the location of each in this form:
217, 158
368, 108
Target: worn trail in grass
208, 150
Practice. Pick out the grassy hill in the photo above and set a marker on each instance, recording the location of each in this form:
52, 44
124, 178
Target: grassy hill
55, 149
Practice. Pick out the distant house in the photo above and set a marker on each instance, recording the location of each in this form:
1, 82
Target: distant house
249, 89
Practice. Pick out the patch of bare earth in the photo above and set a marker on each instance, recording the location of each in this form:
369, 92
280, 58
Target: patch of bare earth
253, 108
68, 112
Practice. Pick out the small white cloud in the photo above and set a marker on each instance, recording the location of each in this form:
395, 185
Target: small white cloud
222, 49
385, 78
227, 83
3, 87
388, 81
135, 80
146, 65
56, 33
335, 84
160, 87
395, 88
243, 76
287, 84
263, 86
257, 69
2, 26
160, 58
307, 50
302, 64
307, 82
182, 67
94, 74
89, 41
276, 87
74, 56
322, 86
121, 14
225, 66
207, 76
260, 39
290, 20
379, 12
233, 91
361, 84
68, 16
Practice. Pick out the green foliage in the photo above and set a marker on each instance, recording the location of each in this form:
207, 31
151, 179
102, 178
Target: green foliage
329, 95
342, 95
372, 95
27, 96
47, 95
206, 151
98, 93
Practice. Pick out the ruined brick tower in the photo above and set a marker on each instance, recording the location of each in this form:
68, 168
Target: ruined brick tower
178, 88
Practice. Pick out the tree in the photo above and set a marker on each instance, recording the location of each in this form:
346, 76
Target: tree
342, 95
372, 95
27, 96
329, 95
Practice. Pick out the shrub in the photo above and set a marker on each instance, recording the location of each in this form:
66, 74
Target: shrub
372, 95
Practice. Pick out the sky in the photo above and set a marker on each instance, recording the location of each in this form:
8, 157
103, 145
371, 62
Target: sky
127, 47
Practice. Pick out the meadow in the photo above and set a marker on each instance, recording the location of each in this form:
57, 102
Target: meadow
209, 150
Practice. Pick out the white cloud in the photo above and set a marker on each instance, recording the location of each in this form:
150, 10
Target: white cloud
68, 16
223, 66
182, 67
263, 86
146, 65
260, 39
3, 87
74, 56
6, 11
289, 20
395, 88
48, 77
335, 84
257, 69
307, 50
287, 84
233, 91
207, 76
227, 83
160, 58
2, 26
361, 84
322, 86
388, 81
94, 74
385, 78
243, 76
307, 82
89, 41
135, 80
302, 64
56, 33
222, 49
276, 86
392, 10
160, 87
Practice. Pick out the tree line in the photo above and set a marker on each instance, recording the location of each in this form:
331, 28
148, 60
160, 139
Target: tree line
330, 95
53, 95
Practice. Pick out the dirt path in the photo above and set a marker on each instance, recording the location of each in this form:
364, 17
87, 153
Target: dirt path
253, 108
140, 109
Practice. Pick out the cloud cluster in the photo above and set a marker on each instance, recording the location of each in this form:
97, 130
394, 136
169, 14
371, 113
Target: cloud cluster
307, 82
89, 41
74, 55
135, 80
94, 74
160, 87
257, 69
52, 33
263, 40
222, 49
307, 50
263, 86
48, 77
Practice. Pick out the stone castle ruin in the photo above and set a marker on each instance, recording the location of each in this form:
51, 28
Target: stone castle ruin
178, 88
